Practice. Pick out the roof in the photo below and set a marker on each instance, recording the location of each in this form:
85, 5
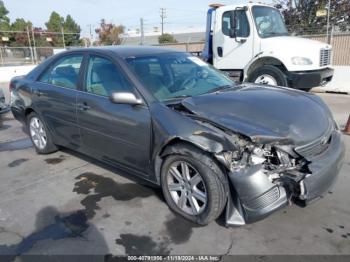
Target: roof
127, 51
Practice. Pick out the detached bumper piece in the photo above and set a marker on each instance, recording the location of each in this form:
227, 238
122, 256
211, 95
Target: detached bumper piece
309, 79
254, 196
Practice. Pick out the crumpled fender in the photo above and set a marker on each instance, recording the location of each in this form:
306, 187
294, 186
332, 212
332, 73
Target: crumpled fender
179, 127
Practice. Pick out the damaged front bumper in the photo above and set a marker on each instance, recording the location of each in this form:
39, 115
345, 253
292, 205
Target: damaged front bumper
254, 196
4, 109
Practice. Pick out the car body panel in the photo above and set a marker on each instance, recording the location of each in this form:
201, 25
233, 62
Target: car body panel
264, 112
136, 137
115, 132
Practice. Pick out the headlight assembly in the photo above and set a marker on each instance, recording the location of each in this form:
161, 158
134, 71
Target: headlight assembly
301, 61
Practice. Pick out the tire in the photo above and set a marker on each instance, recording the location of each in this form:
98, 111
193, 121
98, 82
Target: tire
49, 146
214, 182
266, 71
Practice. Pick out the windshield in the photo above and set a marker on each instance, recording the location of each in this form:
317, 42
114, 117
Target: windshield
268, 21
175, 75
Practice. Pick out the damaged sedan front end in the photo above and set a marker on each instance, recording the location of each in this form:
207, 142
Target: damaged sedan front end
267, 173
267, 177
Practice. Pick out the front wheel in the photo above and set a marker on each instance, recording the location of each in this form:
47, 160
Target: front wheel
193, 185
40, 135
268, 75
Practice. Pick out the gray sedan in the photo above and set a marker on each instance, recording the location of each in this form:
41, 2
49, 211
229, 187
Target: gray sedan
173, 120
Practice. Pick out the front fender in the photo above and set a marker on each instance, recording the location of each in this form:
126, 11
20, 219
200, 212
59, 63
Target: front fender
170, 126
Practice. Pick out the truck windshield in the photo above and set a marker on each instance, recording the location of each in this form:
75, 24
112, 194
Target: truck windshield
171, 76
268, 22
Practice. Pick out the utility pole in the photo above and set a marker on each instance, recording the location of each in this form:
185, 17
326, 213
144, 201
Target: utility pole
328, 14
142, 40
162, 16
34, 46
91, 35
30, 45
63, 40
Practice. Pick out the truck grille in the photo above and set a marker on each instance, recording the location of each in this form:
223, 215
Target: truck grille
316, 147
325, 57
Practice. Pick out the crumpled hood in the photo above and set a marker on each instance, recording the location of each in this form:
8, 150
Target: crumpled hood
264, 113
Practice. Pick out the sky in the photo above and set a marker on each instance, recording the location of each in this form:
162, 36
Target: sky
182, 15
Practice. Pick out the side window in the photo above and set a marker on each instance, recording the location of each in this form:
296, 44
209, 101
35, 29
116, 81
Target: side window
242, 24
104, 77
64, 73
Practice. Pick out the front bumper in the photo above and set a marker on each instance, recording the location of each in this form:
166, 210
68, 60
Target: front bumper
254, 196
309, 79
324, 169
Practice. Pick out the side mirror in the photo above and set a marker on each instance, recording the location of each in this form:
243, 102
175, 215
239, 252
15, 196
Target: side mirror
241, 40
125, 98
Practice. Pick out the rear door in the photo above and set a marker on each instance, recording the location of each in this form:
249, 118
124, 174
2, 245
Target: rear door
116, 133
54, 98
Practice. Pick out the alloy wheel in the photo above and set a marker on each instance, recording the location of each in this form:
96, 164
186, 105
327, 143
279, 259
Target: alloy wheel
37, 133
187, 188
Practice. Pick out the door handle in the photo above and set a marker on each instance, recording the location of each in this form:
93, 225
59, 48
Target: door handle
38, 93
83, 107
220, 51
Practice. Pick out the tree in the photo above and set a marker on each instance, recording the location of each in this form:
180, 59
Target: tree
54, 27
70, 26
109, 34
166, 39
4, 20
20, 39
301, 15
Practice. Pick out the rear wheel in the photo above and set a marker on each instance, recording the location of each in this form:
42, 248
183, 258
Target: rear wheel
268, 75
193, 185
40, 135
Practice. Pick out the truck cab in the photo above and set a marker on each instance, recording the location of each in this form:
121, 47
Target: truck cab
251, 43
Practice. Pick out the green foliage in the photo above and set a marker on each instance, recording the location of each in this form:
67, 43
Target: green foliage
70, 26
4, 20
300, 15
55, 24
20, 39
166, 39
109, 34
3, 13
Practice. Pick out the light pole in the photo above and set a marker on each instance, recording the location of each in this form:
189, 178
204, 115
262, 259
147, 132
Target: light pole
328, 14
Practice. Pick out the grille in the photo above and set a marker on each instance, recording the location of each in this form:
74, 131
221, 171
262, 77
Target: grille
316, 147
325, 57
264, 200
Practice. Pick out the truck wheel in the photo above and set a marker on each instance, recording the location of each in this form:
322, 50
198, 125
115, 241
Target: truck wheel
268, 75
40, 135
193, 184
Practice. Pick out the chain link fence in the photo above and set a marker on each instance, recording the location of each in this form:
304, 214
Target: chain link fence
10, 56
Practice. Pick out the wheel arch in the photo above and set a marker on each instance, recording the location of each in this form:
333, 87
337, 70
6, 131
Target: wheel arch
28, 111
266, 60
176, 141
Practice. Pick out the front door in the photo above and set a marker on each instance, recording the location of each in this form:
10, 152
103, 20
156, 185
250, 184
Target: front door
232, 52
116, 133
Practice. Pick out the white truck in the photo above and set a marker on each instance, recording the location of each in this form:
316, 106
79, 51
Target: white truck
251, 43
